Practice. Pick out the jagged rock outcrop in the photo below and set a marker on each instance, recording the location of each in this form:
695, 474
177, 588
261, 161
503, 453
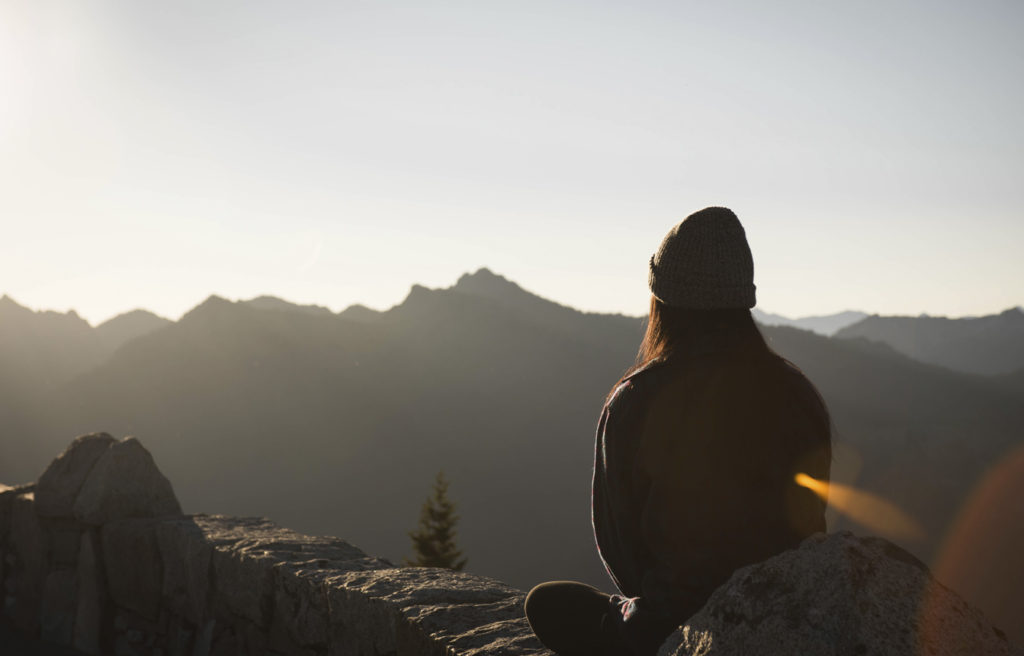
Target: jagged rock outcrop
124, 483
59, 485
111, 567
837, 594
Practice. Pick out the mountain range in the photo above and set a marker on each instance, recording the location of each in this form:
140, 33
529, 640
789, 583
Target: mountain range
825, 324
981, 345
337, 423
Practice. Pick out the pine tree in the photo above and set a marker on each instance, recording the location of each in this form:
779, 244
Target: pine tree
433, 541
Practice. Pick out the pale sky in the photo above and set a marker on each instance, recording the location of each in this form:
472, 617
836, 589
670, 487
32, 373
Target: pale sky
153, 153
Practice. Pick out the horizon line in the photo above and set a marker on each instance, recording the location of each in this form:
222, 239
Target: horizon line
481, 270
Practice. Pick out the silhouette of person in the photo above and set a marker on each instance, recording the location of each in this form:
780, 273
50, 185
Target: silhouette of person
696, 453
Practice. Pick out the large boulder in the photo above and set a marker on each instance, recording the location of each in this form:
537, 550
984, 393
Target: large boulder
837, 594
60, 483
124, 484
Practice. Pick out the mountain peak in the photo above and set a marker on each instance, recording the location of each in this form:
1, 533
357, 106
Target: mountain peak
209, 307
274, 303
125, 327
8, 303
485, 282
359, 312
214, 300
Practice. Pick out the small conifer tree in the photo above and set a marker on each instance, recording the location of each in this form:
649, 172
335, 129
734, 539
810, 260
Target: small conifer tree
433, 541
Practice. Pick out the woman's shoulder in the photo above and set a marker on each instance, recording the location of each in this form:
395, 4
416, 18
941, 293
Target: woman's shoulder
799, 384
636, 388
639, 380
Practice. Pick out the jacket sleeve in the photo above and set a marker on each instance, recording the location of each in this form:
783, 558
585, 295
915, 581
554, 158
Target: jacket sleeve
618, 496
645, 612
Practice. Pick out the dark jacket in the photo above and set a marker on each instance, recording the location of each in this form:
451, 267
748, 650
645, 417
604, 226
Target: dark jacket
694, 477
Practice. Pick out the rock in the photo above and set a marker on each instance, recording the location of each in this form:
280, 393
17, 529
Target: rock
491, 628
837, 594
60, 483
249, 550
134, 567
125, 483
204, 638
300, 607
7, 495
27, 544
88, 614
186, 555
426, 611
57, 609
63, 539
244, 584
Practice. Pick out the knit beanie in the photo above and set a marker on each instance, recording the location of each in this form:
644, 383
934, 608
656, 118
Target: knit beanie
704, 263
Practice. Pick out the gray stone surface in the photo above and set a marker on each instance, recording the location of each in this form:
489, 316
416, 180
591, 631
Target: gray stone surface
91, 590
426, 610
60, 483
63, 538
837, 594
57, 609
186, 555
128, 574
125, 483
300, 606
27, 544
206, 586
248, 551
204, 639
491, 628
134, 568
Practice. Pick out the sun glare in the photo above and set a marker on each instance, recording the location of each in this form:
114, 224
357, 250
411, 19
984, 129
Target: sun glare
868, 510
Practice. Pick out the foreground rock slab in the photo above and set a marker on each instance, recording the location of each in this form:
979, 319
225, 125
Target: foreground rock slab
838, 594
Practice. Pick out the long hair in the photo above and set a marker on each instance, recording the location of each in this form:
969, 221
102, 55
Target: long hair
673, 332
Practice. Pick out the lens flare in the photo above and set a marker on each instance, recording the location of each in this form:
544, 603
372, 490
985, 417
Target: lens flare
868, 510
981, 556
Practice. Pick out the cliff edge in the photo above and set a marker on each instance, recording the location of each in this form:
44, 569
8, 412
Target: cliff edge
98, 556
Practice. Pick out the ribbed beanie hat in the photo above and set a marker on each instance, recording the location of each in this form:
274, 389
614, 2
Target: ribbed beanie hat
704, 263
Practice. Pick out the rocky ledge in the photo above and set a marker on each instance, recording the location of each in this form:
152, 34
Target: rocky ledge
98, 556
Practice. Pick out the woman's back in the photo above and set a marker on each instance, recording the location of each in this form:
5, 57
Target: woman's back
722, 439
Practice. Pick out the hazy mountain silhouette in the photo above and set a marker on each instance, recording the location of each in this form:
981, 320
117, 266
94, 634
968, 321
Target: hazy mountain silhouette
825, 324
337, 423
274, 303
981, 345
126, 327
45, 348
39, 353
359, 312
1012, 382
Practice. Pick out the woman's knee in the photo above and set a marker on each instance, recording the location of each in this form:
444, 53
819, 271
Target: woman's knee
542, 601
563, 602
567, 617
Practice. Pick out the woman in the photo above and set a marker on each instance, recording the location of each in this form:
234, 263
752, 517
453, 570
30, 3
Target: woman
697, 449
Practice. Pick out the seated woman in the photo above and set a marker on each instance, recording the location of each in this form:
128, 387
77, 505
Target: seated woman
697, 449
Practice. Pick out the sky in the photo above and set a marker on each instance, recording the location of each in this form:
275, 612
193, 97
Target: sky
154, 153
